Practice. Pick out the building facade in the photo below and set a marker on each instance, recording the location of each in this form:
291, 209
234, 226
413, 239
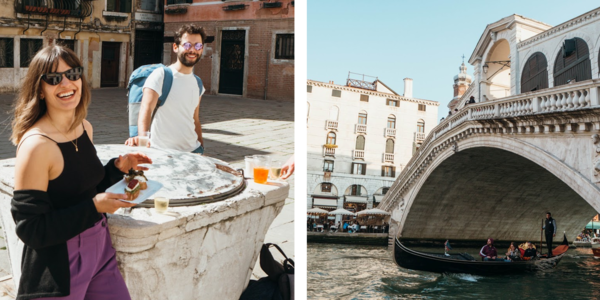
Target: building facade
102, 33
360, 135
249, 50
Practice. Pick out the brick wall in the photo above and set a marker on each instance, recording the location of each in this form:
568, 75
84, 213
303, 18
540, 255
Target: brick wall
260, 41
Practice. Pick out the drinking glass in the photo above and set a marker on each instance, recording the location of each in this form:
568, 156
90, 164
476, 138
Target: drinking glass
249, 170
143, 138
275, 170
161, 204
261, 168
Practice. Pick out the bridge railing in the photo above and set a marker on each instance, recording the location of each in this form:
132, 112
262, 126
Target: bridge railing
576, 96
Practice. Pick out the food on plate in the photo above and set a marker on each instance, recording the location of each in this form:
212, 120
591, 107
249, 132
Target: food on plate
137, 175
133, 189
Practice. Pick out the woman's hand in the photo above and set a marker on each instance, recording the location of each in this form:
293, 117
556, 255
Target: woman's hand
288, 168
131, 161
109, 202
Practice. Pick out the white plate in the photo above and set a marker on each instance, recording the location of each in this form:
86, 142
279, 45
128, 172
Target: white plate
119, 188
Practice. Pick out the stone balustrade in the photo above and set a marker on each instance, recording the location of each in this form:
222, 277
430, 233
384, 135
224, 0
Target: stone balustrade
328, 151
360, 128
518, 114
419, 136
331, 125
390, 132
358, 154
388, 157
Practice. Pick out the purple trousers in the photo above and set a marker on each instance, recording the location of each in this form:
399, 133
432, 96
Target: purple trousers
93, 265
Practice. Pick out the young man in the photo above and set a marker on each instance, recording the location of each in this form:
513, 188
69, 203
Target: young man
550, 227
176, 124
489, 252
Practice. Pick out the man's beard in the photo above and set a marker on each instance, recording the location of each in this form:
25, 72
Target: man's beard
185, 61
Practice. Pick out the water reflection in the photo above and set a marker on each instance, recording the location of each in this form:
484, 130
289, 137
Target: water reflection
369, 272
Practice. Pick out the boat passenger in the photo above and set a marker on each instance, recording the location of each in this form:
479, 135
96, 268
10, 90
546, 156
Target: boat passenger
513, 254
489, 252
530, 252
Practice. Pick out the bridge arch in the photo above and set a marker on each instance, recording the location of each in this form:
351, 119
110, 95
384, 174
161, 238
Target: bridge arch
437, 213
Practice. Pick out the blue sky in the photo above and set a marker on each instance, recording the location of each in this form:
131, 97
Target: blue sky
422, 40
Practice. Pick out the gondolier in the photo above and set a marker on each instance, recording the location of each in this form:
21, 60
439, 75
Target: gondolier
550, 231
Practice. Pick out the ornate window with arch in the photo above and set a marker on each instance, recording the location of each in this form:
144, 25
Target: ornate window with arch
391, 122
331, 138
362, 117
389, 146
360, 142
421, 126
572, 62
535, 73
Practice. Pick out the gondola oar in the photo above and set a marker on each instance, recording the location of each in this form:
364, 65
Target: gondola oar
541, 236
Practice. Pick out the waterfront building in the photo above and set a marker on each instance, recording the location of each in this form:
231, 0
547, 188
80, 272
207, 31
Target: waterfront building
360, 136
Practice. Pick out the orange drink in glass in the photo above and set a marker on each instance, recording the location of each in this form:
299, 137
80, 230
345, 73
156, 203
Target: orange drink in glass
260, 175
261, 168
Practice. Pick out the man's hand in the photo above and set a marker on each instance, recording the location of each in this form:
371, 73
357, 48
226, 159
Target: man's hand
131, 161
132, 141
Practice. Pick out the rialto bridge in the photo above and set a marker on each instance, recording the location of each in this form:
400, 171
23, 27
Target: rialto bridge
529, 144
494, 168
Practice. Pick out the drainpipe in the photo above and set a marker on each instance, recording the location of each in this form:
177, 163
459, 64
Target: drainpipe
41, 33
64, 27
80, 22
28, 23
267, 74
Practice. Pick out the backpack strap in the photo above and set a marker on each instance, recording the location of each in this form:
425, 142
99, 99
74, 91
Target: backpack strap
166, 88
200, 86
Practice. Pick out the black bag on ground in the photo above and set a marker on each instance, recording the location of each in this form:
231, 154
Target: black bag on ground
279, 285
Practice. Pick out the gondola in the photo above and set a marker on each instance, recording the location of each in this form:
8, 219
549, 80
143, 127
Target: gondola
465, 263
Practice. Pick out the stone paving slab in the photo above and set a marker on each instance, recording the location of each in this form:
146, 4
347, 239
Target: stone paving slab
233, 127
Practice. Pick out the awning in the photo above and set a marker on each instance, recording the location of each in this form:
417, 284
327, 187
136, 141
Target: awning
356, 199
341, 211
593, 225
317, 210
378, 198
324, 202
373, 212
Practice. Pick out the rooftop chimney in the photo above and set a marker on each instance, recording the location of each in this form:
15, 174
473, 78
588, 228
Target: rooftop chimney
408, 88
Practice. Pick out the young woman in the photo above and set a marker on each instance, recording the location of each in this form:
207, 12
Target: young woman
59, 203
513, 253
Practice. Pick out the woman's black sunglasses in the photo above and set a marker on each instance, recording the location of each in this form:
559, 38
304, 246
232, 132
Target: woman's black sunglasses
56, 77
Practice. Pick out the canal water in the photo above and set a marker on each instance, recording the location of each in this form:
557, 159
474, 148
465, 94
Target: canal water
369, 272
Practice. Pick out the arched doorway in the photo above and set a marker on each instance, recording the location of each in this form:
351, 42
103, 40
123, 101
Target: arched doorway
496, 71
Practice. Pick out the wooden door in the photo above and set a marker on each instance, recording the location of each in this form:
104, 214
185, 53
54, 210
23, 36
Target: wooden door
109, 72
231, 74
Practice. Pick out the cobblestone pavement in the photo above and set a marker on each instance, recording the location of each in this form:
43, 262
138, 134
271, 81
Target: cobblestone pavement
233, 127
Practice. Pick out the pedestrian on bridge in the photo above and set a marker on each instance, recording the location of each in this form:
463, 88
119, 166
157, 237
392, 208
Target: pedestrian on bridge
550, 230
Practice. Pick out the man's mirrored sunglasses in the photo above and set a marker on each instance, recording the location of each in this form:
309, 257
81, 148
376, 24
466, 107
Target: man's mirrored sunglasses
56, 77
187, 46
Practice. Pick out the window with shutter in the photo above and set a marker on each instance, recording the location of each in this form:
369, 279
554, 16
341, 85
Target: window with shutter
389, 146
6, 53
572, 62
535, 73
360, 142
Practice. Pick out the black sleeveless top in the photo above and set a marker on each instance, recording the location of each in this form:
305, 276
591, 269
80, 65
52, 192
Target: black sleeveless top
82, 172
46, 220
